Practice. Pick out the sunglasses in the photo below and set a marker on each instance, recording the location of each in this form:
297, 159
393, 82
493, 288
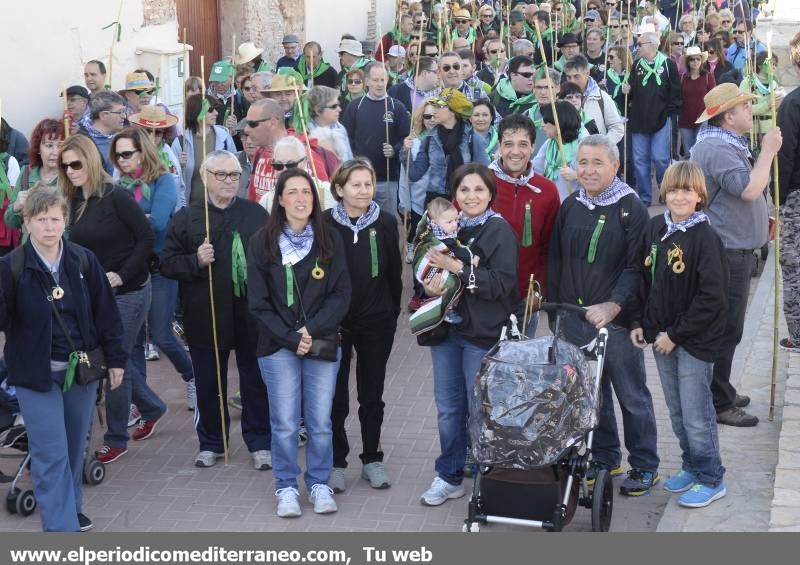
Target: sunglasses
254, 123
614, 26
125, 155
463, 21
222, 175
454, 66
486, 16
287, 165
118, 112
427, 116
354, 81
677, 43
526, 74
611, 57
74, 165
332, 106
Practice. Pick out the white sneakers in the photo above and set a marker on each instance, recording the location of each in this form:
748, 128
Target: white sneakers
262, 460
440, 492
191, 395
289, 501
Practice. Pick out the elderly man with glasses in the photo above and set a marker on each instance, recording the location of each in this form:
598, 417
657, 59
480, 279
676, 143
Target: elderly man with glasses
655, 94
233, 221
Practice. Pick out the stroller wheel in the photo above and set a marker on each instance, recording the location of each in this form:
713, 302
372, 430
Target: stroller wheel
602, 501
93, 472
11, 501
26, 503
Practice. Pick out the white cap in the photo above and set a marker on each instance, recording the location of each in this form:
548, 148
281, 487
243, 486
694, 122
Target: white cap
396, 51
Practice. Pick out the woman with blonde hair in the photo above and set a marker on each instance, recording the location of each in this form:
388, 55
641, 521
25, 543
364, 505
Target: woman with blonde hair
107, 220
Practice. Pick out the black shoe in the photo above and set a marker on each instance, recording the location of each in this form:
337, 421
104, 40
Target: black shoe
741, 401
85, 522
638, 482
737, 417
591, 473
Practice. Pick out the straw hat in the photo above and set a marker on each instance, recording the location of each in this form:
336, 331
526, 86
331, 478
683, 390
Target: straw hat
722, 98
153, 117
694, 51
138, 82
284, 82
247, 52
462, 14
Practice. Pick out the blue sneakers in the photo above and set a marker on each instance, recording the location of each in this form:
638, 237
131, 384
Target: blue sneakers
701, 495
680, 482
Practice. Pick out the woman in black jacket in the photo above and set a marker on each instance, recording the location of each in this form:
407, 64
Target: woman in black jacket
299, 292
49, 273
490, 296
188, 256
108, 221
371, 242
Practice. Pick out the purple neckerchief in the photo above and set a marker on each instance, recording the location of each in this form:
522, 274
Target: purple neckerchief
498, 171
613, 194
672, 227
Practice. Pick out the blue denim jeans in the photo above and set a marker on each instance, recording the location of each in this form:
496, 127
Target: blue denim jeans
686, 381
624, 370
455, 365
162, 313
386, 196
688, 139
58, 426
133, 307
293, 382
649, 149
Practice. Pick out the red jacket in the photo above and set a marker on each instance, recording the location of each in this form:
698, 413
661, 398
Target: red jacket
541, 195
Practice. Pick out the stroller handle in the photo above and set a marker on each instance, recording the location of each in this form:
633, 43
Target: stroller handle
554, 308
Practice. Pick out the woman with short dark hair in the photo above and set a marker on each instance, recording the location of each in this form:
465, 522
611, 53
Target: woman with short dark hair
557, 161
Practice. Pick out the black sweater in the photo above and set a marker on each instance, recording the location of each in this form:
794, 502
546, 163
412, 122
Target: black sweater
486, 311
325, 301
116, 230
651, 104
789, 155
373, 298
614, 274
179, 261
691, 306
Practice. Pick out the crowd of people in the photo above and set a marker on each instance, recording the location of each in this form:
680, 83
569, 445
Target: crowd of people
484, 144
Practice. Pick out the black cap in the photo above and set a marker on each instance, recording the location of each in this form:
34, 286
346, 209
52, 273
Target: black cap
568, 38
79, 90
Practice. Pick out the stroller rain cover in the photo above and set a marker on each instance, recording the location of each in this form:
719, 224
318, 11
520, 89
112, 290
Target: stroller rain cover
527, 409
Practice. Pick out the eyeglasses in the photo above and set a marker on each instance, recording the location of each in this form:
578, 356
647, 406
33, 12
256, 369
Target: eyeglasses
287, 165
427, 116
454, 66
125, 155
354, 81
677, 43
486, 16
74, 165
462, 21
252, 124
526, 74
117, 113
611, 57
614, 26
222, 176
738, 32
574, 96
332, 106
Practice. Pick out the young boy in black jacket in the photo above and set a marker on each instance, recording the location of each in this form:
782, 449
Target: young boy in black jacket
682, 313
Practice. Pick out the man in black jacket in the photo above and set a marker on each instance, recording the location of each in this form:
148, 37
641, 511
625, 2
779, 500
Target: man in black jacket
789, 166
187, 256
655, 94
593, 262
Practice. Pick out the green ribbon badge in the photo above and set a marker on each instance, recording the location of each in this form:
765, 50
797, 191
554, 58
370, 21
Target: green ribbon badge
598, 229
373, 251
72, 365
527, 235
289, 286
238, 266
203, 109
118, 28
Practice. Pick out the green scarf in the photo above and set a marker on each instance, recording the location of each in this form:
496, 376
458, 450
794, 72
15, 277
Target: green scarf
130, 184
653, 70
399, 37
393, 75
320, 68
491, 143
162, 154
238, 266
552, 160
538, 122
617, 81
470, 36
6, 190
506, 91
559, 65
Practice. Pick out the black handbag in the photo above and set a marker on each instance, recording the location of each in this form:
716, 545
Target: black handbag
325, 348
91, 364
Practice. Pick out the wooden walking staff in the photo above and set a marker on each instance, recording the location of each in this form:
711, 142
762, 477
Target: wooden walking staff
386, 108
186, 72
233, 76
776, 192
66, 117
408, 154
115, 39
313, 165
552, 98
201, 122
508, 29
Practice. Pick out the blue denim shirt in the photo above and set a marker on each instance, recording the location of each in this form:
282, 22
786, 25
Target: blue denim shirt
431, 159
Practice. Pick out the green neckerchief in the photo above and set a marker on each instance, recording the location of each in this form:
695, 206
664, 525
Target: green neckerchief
164, 156
470, 36
393, 75
538, 122
6, 191
506, 91
491, 144
130, 184
617, 80
559, 65
584, 118
238, 266
399, 37
571, 27
552, 159
320, 68
653, 70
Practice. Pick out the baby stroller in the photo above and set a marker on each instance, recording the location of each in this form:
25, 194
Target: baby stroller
533, 408
14, 436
